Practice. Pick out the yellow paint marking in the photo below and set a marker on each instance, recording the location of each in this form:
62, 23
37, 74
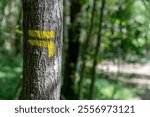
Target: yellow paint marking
49, 44
41, 34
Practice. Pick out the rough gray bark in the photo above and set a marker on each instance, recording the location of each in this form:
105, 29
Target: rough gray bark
42, 72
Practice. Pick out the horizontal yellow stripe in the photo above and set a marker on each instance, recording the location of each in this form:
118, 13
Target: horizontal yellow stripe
41, 34
50, 45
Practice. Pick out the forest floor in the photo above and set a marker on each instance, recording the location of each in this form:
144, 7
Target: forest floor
133, 74
139, 73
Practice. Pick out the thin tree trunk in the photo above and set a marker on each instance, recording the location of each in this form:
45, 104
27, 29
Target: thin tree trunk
65, 39
73, 50
84, 51
18, 40
42, 28
98, 43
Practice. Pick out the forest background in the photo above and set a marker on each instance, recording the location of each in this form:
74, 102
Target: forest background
106, 47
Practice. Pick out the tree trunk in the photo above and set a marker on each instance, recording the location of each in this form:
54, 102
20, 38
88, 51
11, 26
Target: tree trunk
98, 43
84, 51
42, 28
73, 50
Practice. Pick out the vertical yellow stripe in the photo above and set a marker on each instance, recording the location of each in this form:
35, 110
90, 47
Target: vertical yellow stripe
51, 50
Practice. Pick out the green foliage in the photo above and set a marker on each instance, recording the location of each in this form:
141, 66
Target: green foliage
10, 75
10, 62
10, 26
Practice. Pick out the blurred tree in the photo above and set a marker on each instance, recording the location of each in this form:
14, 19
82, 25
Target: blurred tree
18, 35
42, 26
98, 44
84, 50
73, 49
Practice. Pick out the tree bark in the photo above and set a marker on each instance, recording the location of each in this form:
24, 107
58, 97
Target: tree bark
42, 28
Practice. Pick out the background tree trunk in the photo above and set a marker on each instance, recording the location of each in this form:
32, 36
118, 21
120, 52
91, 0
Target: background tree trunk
97, 49
73, 50
42, 26
84, 51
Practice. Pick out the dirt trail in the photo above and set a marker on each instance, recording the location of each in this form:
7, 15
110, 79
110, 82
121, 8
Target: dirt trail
139, 69
140, 72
